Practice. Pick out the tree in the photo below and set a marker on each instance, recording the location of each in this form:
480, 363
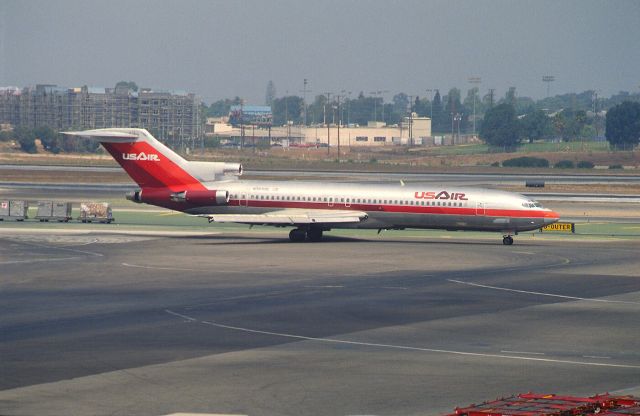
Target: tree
48, 138
501, 127
510, 96
270, 94
128, 84
26, 139
536, 125
221, 108
623, 125
288, 109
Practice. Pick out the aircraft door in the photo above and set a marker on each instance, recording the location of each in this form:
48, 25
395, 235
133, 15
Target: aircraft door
330, 202
481, 208
244, 201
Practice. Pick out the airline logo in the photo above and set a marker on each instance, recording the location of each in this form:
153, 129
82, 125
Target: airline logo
454, 196
141, 156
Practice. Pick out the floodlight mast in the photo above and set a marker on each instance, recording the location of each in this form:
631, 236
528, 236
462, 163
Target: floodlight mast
548, 79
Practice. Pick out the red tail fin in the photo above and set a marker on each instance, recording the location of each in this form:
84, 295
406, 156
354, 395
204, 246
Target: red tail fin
147, 161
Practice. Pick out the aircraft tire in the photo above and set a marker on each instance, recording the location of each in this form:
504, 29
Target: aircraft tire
507, 240
297, 235
314, 234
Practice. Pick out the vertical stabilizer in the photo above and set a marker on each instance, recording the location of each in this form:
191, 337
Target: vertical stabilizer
148, 162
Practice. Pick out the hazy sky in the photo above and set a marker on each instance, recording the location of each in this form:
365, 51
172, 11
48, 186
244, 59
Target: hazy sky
226, 48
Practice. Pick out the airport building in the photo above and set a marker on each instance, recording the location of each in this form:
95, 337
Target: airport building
414, 131
167, 114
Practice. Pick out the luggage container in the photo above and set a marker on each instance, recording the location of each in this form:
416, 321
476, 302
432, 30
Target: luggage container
96, 212
14, 210
4, 209
54, 211
62, 211
45, 208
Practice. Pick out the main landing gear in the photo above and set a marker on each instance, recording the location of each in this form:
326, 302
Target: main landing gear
298, 235
507, 240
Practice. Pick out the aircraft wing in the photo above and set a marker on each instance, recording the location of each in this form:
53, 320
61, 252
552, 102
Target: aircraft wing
292, 217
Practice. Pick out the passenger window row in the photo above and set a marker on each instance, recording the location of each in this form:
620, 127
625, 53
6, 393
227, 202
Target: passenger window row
353, 200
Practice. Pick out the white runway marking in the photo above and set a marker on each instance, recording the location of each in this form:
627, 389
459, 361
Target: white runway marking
506, 289
73, 250
399, 347
39, 260
324, 287
524, 352
139, 266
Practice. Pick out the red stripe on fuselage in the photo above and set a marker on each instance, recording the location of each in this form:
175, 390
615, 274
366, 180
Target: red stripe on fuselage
401, 209
152, 173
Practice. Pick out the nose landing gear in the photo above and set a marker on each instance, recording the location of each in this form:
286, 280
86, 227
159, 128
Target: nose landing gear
507, 240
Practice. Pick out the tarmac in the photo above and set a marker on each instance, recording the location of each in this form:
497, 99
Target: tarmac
239, 322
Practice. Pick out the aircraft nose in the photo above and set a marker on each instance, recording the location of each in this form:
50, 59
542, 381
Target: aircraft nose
551, 217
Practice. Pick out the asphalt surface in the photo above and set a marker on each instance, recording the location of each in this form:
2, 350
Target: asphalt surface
242, 323
459, 179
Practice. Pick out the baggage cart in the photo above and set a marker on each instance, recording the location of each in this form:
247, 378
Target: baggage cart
96, 212
530, 404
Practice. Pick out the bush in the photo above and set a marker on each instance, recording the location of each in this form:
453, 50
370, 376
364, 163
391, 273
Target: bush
495, 164
617, 166
585, 164
564, 164
526, 162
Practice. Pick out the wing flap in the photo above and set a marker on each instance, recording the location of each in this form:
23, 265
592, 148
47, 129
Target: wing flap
292, 217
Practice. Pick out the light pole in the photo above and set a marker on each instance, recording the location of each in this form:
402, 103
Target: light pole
458, 118
304, 100
548, 79
430, 92
349, 109
474, 81
326, 119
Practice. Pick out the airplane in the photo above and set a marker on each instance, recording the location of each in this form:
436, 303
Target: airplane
213, 190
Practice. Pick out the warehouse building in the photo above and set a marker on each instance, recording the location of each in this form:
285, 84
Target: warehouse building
412, 131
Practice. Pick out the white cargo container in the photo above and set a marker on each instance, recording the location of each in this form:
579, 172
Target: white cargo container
54, 211
14, 210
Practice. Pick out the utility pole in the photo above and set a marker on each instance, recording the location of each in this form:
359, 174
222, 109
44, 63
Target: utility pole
474, 81
491, 91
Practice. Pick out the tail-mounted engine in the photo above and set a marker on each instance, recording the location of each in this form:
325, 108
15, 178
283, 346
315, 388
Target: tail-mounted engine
212, 171
193, 197
202, 197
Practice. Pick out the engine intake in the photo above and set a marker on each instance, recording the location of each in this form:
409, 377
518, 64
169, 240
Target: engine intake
211, 171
